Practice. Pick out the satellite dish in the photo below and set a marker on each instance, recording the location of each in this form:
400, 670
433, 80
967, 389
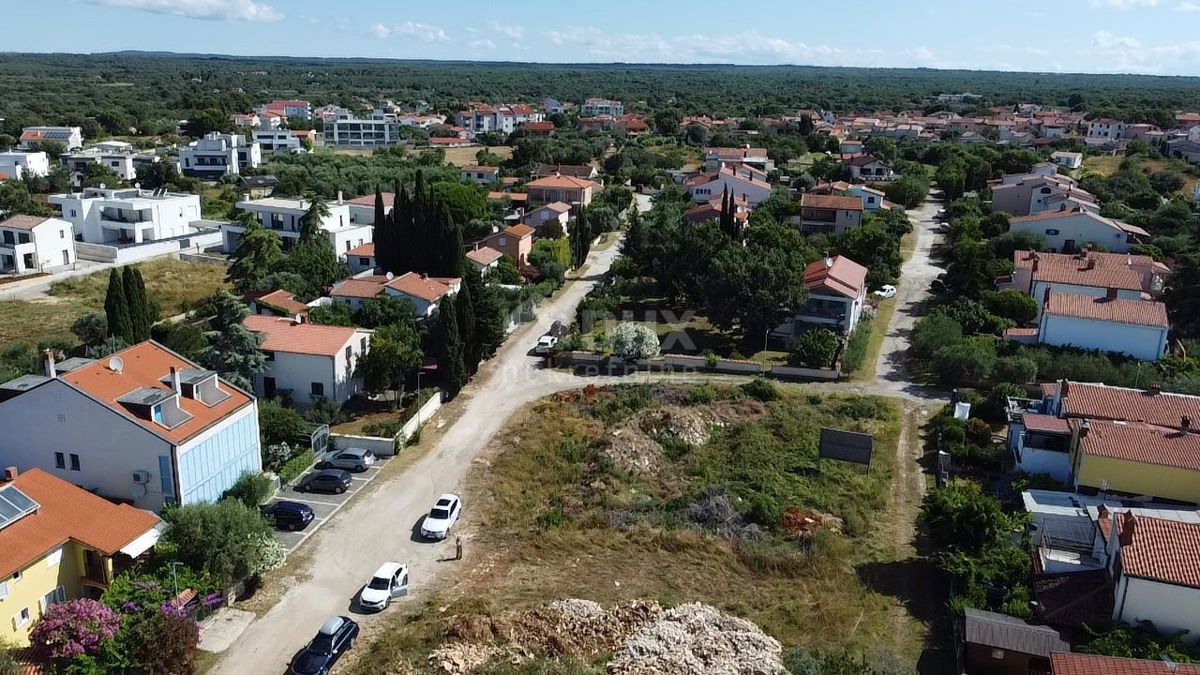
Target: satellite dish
389, 276
116, 364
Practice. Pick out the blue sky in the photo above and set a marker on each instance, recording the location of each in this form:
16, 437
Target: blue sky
1140, 36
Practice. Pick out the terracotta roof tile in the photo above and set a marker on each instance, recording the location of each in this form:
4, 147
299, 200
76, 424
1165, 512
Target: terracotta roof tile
1117, 310
369, 200
1142, 444
520, 231
839, 275
362, 289
425, 288
1098, 270
285, 335
23, 222
1090, 664
66, 513
1098, 401
1157, 549
484, 256
366, 250
284, 300
563, 182
145, 365
837, 202
1046, 424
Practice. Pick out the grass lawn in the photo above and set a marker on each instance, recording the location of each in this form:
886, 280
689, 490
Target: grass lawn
466, 156
175, 285
562, 512
1108, 165
879, 327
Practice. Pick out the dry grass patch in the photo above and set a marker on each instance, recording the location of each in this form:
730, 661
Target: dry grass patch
466, 156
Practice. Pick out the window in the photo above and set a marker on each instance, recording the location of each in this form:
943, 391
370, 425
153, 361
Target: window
21, 619
72, 213
3, 590
16, 575
363, 344
156, 414
269, 356
364, 261
62, 234
347, 244
60, 462
53, 598
317, 389
54, 558
349, 351
1051, 232
74, 462
997, 653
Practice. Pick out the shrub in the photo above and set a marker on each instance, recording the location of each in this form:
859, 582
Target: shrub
280, 424
856, 345
251, 489
1020, 369
994, 408
162, 641
384, 428
934, 333
621, 401
634, 341
74, 628
702, 394
1012, 305
763, 390
968, 362
815, 349
227, 539
978, 432
296, 466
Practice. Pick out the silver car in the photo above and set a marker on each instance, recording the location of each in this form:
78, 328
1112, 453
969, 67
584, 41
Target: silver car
352, 459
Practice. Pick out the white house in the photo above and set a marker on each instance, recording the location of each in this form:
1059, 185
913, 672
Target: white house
482, 117
869, 169
837, 290
277, 141
1070, 230
283, 216
217, 155
1031, 194
872, 200
1067, 160
485, 259
1155, 564
601, 107
308, 362
1104, 130
15, 164
559, 212
480, 175
714, 158
144, 425
744, 183
422, 291
828, 214
288, 109
1040, 443
348, 131
361, 258
71, 138
122, 161
128, 215
362, 209
34, 244
1136, 328
1131, 277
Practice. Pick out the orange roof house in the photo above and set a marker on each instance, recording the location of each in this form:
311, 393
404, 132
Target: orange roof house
560, 188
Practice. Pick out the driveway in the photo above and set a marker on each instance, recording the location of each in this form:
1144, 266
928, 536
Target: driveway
324, 506
371, 530
918, 272
39, 287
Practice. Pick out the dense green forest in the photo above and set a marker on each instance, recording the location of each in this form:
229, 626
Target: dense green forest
151, 92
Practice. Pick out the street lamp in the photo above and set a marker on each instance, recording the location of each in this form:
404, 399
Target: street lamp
175, 578
418, 399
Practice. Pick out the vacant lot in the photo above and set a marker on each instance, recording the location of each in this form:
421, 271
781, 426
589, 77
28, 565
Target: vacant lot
676, 494
175, 285
1108, 165
466, 156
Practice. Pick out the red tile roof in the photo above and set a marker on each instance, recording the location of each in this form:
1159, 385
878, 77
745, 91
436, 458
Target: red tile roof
563, 182
1046, 424
839, 275
1129, 312
289, 337
23, 222
1090, 664
582, 171
519, 231
145, 365
1098, 401
284, 300
1098, 270
366, 250
836, 202
362, 288
389, 199
66, 513
1142, 444
417, 286
479, 169
484, 256
1152, 548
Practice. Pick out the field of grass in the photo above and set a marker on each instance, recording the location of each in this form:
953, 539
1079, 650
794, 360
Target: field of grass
1108, 165
560, 514
466, 156
175, 285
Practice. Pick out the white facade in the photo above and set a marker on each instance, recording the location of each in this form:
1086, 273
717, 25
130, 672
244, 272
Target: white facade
14, 165
313, 377
217, 155
24, 250
1105, 130
375, 132
1170, 607
107, 216
504, 119
600, 107
124, 163
1067, 160
283, 216
70, 137
1070, 231
277, 141
753, 192
872, 199
1147, 343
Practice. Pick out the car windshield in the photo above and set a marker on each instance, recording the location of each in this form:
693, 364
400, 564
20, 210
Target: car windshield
439, 513
379, 584
311, 661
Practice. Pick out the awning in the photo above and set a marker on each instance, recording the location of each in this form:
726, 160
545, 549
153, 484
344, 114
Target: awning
145, 542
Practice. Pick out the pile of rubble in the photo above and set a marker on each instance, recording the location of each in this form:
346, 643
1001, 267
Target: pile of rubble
688, 639
803, 524
633, 452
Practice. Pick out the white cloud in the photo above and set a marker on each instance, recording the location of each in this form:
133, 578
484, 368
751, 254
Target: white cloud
227, 10
1126, 4
482, 44
512, 32
420, 31
1187, 7
1128, 54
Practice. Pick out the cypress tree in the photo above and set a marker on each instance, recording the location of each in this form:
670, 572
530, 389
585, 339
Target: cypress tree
381, 235
450, 354
454, 261
147, 312
464, 304
402, 231
116, 307
489, 321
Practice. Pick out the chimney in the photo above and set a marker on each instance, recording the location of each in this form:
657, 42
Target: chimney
1091, 263
175, 382
1185, 423
1035, 262
1110, 294
1154, 388
339, 201
1064, 387
1084, 428
828, 262
10, 474
51, 372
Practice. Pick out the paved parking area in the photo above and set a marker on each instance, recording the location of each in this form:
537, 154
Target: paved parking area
323, 505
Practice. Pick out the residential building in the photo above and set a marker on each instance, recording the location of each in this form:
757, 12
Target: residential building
59, 542
998, 644
218, 155
1067, 160
580, 171
869, 169
597, 123
601, 107
828, 214
632, 126
873, 200
31, 244
1030, 194
307, 362
128, 215
837, 291
515, 242
1090, 664
552, 105
330, 112
713, 211
959, 99
144, 425
71, 138
485, 259
362, 209
1135, 328
16, 164
1155, 564
454, 142
258, 187
573, 191
744, 182
544, 129
361, 258
714, 158
377, 131
283, 216
1072, 229
278, 303
1104, 130
288, 109
1133, 277
480, 175
278, 141
122, 161
481, 118
557, 212
422, 291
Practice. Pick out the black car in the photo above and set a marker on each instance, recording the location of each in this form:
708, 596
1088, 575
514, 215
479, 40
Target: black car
289, 515
335, 638
329, 480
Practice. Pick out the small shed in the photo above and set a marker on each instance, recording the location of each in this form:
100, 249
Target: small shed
997, 644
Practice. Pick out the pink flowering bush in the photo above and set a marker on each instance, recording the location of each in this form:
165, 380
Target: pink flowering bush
76, 627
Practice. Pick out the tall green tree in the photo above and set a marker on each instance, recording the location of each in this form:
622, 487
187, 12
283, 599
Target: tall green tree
1182, 295
464, 304
382, 235
258, 254
316, 262
116, 308
394, 353
233, 350
450, 348
310, 222
141, 313
489, 314
404, 232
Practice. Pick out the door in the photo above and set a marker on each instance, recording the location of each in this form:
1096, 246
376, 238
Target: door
66, 257
400, 583
268, 387
1069, 246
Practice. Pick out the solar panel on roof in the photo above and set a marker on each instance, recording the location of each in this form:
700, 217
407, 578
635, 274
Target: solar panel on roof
13, 505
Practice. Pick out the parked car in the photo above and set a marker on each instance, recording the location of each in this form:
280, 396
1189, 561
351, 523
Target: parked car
351, 459
441, 517
545, 344
329, 480
389, 581
558, 329
335, 638
885, 292
289, 515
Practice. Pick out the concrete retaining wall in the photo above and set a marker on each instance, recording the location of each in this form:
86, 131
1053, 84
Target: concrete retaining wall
124, 255
386, 447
